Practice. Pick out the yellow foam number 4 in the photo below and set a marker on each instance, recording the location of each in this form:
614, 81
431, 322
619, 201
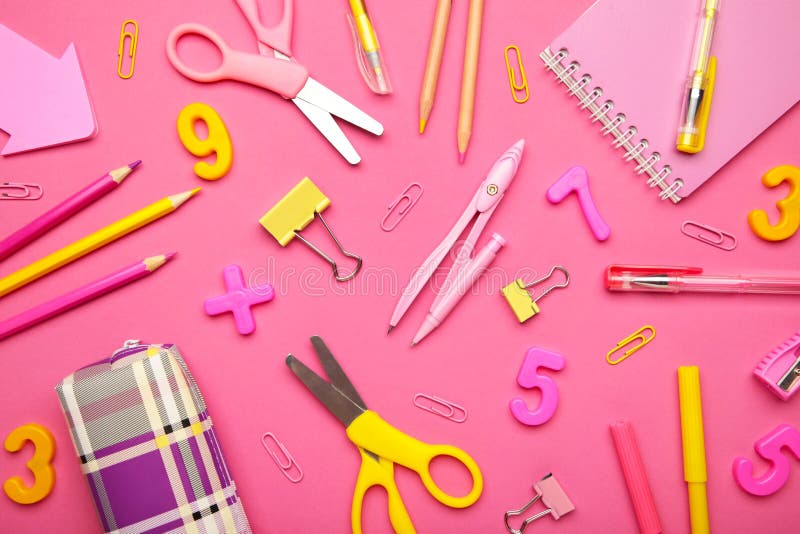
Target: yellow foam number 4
788, 207
217, 142
44, 476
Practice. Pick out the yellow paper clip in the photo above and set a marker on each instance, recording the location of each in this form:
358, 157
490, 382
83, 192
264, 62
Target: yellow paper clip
134, 38
522, 303
297, 210
516, 86
638, 335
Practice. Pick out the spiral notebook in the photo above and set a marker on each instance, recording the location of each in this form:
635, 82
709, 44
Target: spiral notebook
627, 62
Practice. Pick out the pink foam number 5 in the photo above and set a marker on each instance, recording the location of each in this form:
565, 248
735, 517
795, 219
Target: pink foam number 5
529, 378
770, 448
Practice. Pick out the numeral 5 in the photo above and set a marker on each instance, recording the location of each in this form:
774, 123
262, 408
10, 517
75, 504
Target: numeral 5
529, 378
770, 448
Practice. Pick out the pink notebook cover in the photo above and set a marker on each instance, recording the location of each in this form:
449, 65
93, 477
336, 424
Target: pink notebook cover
638, 52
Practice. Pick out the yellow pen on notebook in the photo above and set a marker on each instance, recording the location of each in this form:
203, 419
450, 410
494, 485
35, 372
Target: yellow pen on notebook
700, 86
368, 50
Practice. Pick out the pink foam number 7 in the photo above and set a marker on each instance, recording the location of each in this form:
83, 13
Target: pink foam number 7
529, 378
770, 448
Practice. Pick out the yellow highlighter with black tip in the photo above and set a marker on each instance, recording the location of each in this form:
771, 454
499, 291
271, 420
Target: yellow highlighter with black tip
368, 50
700, 86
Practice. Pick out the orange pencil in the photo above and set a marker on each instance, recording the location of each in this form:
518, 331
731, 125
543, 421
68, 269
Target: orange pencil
469, 76
435, 51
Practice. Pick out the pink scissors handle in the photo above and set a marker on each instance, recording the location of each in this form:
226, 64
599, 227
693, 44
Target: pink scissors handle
286, 78
278, 37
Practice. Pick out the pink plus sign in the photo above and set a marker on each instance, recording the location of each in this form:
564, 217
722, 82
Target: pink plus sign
239, 299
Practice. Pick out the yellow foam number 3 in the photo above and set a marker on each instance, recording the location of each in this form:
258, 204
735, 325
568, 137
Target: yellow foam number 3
44, 476
217, 142
788, 207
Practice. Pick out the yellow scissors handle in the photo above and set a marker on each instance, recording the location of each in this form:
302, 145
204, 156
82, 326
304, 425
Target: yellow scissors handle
379, 473
371, 432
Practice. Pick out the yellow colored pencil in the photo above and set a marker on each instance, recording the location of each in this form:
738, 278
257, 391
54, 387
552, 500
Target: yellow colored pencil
92, 242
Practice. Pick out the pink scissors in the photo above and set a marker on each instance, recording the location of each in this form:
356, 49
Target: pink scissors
276, 70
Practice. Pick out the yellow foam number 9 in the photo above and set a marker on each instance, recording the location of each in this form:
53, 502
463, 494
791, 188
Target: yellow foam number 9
217, 142
44, 476
788, 207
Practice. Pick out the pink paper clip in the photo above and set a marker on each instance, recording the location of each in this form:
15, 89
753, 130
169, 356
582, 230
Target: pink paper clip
770, 448
20, 191
529, 378
779, 371
709, 235
403, 203
452, 411
555, 500
577, 179
287, 464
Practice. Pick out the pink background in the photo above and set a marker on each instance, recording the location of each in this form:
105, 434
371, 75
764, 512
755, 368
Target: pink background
474, 357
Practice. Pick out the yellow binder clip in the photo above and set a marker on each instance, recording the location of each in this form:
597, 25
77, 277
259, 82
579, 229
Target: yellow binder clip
522, 303
636, 336
134, 38
297, 210
516, 86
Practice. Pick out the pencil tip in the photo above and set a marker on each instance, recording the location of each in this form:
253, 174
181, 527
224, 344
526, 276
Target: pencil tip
461, 156
134, 164
195, 190
413, 343
390, 330
170, 255
422, 123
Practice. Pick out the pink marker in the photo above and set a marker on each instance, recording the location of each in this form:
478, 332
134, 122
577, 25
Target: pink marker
446, 301
66, 209
577, 179
239, 299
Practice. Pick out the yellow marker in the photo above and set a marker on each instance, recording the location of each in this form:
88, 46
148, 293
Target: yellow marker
700, 86
368, 50
92, 242
694, 448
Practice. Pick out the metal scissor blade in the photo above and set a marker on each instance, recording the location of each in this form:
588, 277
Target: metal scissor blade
337, 402
322, 97
323, 121
335, 372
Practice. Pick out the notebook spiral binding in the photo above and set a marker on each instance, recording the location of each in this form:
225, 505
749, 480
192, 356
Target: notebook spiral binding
600, 111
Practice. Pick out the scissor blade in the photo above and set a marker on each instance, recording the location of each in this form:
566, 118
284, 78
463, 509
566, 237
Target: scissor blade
323, 121
335, 372
319, 95
337, 402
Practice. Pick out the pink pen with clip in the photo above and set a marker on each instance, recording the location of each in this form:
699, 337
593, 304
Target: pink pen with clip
483, 204
448, 299
678, 279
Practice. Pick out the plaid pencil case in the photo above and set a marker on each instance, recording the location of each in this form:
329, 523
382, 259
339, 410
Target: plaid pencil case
147, 445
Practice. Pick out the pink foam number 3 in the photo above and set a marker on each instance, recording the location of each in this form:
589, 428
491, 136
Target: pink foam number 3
529, 378
770, 448
577, 179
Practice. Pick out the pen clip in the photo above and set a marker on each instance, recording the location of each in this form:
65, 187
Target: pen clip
702, 120
618, 270
368, 72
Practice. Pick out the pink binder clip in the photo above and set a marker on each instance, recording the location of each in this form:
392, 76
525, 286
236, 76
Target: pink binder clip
770, 449
577, 179
239, 299
555, 500
529, 378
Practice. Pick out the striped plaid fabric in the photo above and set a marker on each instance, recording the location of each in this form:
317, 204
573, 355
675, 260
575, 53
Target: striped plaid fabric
147, 445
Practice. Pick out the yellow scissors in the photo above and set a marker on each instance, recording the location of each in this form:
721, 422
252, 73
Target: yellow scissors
380, 444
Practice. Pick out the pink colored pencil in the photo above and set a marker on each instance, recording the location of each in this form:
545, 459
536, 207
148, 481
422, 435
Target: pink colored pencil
69, 207
79, 296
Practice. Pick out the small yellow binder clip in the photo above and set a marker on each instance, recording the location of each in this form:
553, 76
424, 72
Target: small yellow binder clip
636, 336
297, 210
522, 303
516, 85
134, 38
